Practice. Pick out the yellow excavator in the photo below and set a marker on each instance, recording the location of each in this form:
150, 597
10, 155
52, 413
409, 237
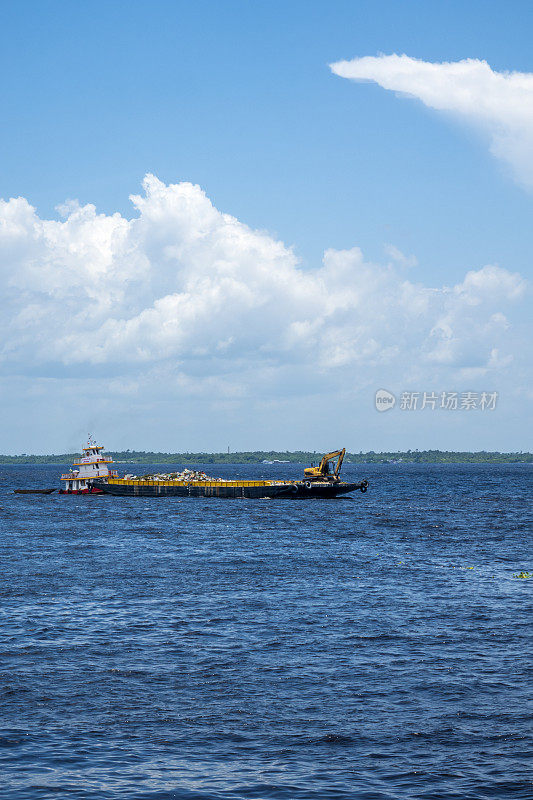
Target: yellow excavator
328, 469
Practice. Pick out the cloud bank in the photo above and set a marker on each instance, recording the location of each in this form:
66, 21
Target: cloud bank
500, 103
171, 329
192, 296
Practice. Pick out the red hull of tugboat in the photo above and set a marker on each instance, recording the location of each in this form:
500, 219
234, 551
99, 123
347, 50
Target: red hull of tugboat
92, 490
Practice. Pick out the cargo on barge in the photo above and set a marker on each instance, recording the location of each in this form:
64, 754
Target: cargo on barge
318, 482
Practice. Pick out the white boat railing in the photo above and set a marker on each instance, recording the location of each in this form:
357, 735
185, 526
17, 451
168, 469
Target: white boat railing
75, 476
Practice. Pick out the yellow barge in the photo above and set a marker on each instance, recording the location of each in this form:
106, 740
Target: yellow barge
319, 482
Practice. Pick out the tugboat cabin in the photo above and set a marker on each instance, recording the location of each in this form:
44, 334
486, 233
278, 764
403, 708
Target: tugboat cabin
93, 465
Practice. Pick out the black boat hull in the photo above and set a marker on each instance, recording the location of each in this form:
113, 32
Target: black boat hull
229, 489
34, 491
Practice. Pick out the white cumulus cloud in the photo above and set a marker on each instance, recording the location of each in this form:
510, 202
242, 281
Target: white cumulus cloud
168, 323
500, 103
185, 290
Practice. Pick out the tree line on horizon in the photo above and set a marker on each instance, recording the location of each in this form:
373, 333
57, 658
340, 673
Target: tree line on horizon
297, 457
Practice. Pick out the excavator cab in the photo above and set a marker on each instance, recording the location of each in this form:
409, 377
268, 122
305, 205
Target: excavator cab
328, 469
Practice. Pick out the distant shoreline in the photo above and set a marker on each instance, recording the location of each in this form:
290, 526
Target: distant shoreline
296, 457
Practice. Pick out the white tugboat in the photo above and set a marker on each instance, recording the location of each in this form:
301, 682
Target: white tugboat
93, 465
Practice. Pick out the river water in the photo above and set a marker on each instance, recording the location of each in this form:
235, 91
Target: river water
374, 647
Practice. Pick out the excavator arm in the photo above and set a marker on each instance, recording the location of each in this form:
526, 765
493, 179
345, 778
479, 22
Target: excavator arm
339, 462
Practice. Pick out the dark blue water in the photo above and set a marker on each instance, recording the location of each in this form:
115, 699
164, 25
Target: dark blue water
374, 647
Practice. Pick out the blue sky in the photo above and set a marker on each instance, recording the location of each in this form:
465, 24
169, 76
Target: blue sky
238, 98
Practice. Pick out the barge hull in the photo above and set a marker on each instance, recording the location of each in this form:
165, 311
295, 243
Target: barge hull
246, 489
